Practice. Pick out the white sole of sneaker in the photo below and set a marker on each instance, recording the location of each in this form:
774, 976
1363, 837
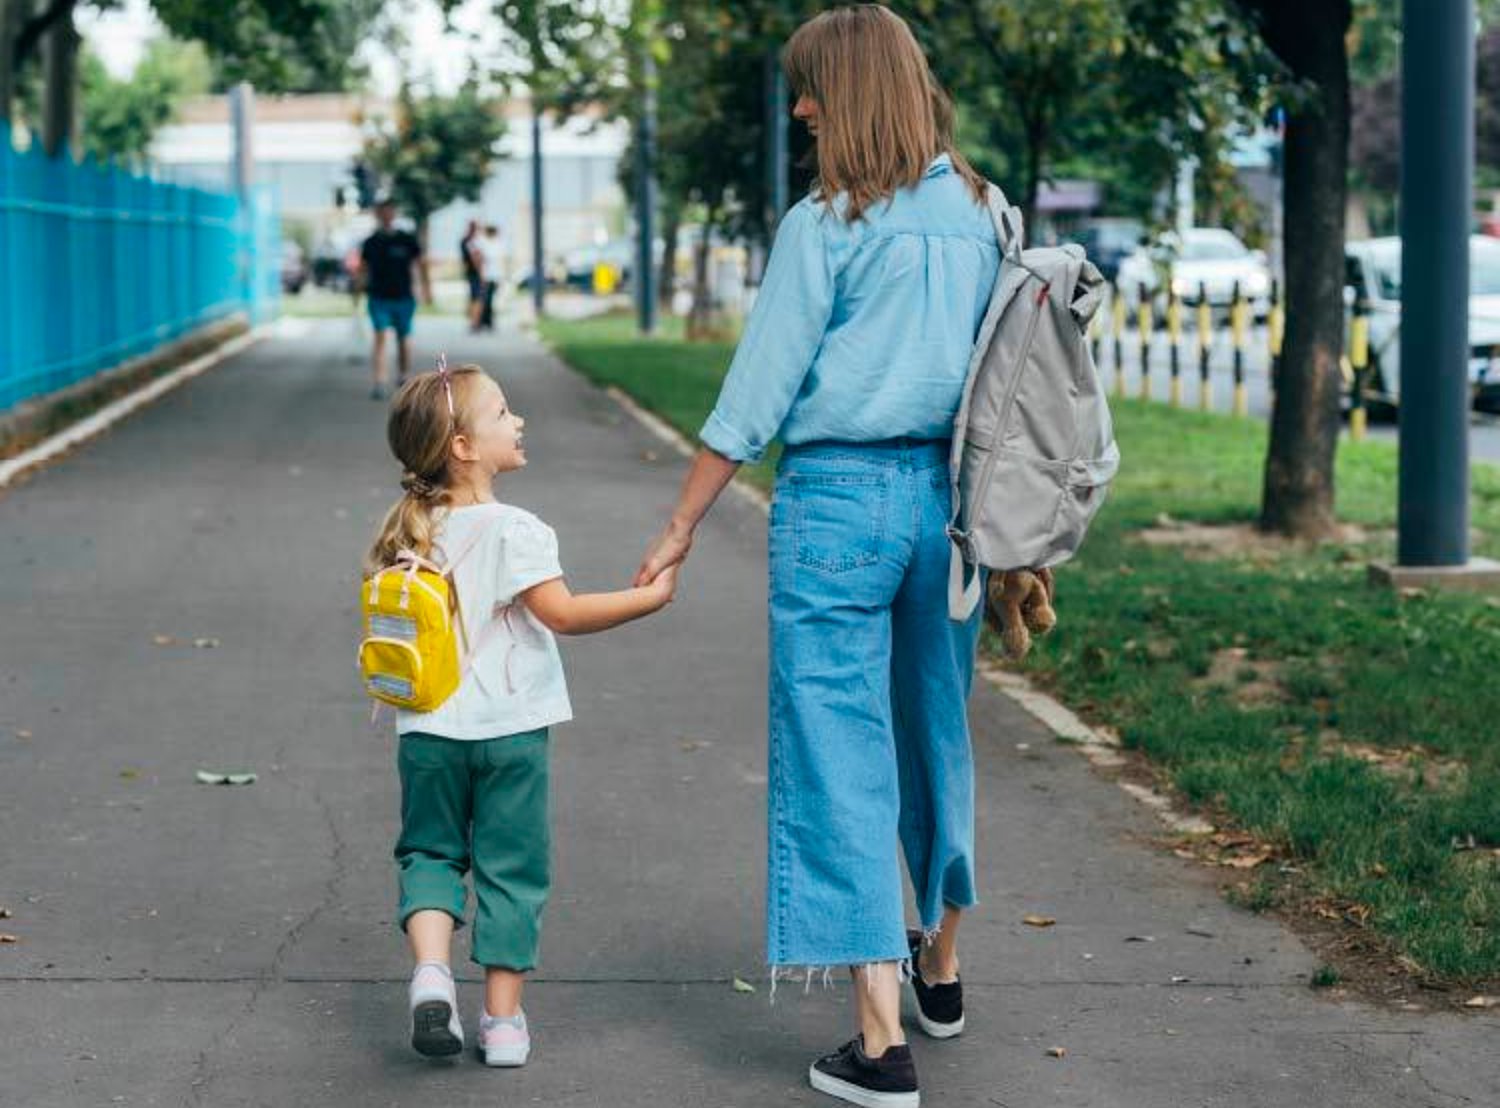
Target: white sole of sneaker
935, 1030
507, 1057
855, 1094
432, 1031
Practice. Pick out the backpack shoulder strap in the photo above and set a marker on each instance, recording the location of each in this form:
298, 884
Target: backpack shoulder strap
1010, 228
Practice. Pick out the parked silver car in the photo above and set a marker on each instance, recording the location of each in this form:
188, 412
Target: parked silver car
1201, 260
1373, 272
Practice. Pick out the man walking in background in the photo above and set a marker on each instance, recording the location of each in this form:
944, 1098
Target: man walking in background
388, 258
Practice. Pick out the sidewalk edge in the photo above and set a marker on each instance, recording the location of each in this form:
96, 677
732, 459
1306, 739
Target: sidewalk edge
106, 417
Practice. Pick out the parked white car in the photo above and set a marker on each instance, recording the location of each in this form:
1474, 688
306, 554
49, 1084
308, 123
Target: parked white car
1373, 271
1201, 260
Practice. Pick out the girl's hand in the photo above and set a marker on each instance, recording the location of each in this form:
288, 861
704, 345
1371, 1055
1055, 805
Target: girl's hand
663, 587
669, 548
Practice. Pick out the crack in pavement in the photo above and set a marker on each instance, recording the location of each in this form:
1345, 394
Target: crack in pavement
203, 1072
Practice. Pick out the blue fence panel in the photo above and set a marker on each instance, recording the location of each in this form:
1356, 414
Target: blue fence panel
99, 264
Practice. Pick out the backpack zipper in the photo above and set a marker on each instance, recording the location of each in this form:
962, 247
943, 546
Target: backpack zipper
988, 472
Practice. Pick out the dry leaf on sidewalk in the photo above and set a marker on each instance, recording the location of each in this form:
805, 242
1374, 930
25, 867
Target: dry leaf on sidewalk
1482, 1002
9, 939
1037, 921
4, 913
22, 733
205, 644
163, 640
741, 986
1057, 1052
206, 778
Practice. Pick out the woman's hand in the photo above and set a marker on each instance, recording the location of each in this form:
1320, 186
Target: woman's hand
663, 588
669, 548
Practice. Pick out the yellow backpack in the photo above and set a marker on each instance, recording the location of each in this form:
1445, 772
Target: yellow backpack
410, 655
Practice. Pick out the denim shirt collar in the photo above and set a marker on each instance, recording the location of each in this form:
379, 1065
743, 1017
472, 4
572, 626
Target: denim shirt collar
938, 166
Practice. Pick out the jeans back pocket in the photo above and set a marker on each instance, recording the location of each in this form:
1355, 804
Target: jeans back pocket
838, 520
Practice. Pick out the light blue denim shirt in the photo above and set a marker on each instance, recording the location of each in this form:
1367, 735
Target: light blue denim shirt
862, 331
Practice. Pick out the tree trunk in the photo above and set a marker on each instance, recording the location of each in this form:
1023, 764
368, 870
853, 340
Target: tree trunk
60, 102
13, 13
1036, 145
1298, 497
700, 323
666, 284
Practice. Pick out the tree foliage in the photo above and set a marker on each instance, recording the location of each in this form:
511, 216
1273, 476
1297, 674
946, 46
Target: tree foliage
437, 149
120, 117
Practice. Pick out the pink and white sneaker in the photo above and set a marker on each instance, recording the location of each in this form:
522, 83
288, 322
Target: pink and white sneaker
435, 1029
504, 1040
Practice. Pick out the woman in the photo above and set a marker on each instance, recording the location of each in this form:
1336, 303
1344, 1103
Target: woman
855, 357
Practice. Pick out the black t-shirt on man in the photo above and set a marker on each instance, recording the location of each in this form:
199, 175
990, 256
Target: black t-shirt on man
388, 257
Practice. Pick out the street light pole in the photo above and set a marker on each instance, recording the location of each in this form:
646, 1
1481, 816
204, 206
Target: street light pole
645, 197
776, 130
1437, 175
538, 264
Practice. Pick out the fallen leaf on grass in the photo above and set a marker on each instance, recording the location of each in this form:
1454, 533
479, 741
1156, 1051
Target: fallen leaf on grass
1057, 1052
206, 778
1247, 861
1482, 1002
741, 986
1037, 921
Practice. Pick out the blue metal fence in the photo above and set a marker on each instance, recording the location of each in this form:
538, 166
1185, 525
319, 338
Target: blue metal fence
98, 264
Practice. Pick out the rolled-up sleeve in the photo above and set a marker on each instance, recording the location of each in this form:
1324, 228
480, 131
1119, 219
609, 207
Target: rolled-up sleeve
780, 342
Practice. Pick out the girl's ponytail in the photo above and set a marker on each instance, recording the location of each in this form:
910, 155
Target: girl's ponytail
420, 431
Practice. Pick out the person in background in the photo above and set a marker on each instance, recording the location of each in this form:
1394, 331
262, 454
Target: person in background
469, 255
388, 259
491, 264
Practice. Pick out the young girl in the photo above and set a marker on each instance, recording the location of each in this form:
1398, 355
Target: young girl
474, 771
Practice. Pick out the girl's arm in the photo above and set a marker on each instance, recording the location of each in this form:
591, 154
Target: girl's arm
705, 480
562, 611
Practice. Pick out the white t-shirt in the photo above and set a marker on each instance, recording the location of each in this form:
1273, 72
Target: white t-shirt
514, 681
491, 256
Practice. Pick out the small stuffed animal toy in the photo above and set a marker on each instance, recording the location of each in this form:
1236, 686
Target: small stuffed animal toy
1018, 603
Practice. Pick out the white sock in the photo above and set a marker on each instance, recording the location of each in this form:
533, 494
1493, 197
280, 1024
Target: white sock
487, 1020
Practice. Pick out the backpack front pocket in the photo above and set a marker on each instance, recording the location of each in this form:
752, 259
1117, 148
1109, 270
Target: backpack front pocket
392, 670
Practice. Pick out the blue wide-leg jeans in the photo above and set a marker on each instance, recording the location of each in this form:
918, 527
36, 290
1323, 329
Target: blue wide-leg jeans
869, 739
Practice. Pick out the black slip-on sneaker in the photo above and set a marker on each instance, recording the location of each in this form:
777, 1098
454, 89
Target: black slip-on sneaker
889, 1081
940, 1007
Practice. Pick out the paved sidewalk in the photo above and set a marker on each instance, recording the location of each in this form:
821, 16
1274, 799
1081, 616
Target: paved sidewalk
185, 944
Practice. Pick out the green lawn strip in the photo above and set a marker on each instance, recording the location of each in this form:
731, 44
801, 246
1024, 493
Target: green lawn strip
1356, 730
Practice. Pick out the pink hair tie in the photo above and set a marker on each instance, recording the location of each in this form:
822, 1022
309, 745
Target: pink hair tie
447, 379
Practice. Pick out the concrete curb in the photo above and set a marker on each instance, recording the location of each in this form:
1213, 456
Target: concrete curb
87, 428
1102, 750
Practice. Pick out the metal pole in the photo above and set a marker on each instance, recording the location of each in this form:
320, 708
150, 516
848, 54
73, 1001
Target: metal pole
1437, 163
645, 199
242, 174
538, 256
776, 133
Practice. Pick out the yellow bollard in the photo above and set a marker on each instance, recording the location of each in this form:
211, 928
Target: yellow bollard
1359, 362
1143, 329
1205, 349
1117, 331
1239, 313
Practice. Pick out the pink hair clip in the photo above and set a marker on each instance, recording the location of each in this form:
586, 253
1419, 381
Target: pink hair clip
447, 379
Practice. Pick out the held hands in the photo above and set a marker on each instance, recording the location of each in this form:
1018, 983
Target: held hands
663, 587
668, 549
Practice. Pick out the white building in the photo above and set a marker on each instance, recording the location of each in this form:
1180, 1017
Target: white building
305, 147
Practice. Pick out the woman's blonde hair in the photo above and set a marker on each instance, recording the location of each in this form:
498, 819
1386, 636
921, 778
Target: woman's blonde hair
420, 431
882, 116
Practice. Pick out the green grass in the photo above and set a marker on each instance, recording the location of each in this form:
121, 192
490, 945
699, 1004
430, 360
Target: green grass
1358, 670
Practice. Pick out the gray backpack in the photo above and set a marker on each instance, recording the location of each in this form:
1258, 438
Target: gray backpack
1033, 446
